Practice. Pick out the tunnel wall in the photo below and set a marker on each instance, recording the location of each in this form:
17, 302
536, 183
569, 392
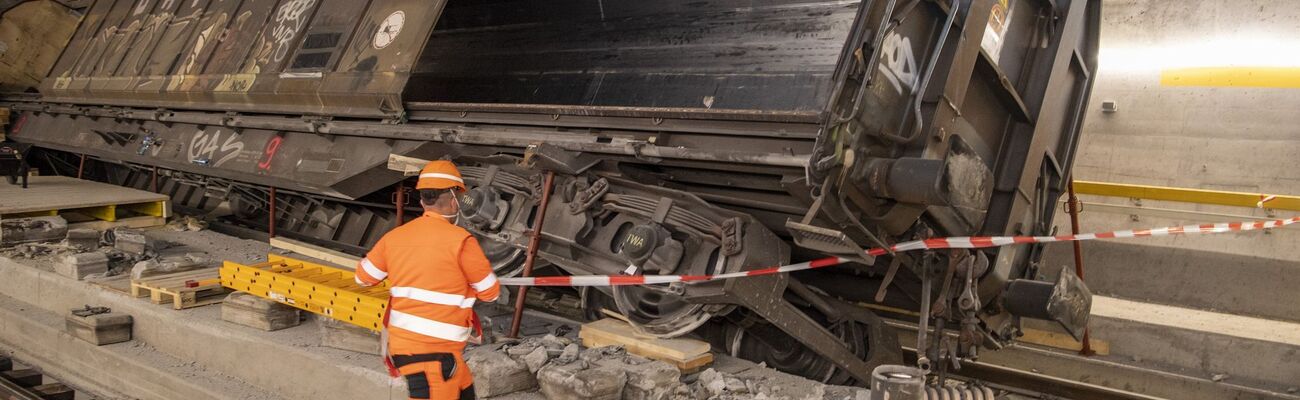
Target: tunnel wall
1201, 102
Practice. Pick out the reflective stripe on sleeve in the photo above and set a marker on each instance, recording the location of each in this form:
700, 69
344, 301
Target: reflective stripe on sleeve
432, 297
372, 270
428, 327
486, 283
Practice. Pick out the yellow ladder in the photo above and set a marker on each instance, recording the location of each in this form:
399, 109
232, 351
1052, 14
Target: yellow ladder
311, 287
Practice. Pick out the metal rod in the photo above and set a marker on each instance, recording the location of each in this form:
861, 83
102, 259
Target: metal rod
400, 202
81, 167
923, 324
534, 241
270, 223
1193, 196
1086, 349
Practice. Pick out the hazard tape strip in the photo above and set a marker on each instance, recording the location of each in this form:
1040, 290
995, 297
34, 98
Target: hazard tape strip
965, 242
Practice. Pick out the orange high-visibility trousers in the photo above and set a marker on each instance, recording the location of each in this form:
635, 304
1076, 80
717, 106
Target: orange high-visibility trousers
436, 376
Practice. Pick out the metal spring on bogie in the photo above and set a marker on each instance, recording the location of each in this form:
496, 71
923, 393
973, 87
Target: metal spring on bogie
959, 392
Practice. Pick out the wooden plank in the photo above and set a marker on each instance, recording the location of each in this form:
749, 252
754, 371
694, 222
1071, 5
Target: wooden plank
687, 355
63, 193
335, 257
1061, 341
131, 222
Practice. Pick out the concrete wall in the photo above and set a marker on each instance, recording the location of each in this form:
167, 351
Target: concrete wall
1211, 137
1227, 138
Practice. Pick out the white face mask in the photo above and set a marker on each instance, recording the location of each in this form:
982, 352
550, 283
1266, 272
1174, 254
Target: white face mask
455, 217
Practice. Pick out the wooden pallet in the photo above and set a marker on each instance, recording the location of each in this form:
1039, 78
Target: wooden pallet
81, 200
171, 288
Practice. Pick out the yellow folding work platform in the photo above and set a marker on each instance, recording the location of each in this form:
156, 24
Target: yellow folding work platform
311, 287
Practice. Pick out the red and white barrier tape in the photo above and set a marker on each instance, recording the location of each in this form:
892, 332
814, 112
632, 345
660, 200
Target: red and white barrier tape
965, 242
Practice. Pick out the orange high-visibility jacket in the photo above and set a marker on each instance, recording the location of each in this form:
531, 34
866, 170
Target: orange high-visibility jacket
436, 271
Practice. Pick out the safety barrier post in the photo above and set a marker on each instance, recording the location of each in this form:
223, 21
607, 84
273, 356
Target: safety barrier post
1074, 209
270, 219
400, 201
534, 240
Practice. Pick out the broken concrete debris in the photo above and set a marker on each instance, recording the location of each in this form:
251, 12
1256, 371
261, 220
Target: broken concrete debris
83, 239
131, 241
29, 250
187, 223
34, 229
167, 265
559, 368
574, 381
498, 374
246, 309
345, 336
79, 266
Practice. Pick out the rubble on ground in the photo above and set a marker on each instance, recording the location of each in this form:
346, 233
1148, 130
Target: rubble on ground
559, 368
93, 255
83, 239
167, 265
131, 241
31, 230
187, 223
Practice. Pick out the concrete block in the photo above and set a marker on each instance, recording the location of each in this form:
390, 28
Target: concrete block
573, 382
255, 312
85, 239
646, 379
497, 374
54, 391
131, 241
34, 229
349, 337
23, 377
100, 329
78, 266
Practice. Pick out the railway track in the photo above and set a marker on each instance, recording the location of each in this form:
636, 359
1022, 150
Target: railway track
29, 384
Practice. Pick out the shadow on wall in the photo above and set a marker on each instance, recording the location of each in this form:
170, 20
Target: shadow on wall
32, 35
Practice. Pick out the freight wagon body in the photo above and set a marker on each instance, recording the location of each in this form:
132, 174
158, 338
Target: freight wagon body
687, 137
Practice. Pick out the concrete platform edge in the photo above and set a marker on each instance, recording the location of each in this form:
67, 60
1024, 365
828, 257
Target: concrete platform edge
241, 352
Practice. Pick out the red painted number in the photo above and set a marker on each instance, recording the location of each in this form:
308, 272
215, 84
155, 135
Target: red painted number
268, 154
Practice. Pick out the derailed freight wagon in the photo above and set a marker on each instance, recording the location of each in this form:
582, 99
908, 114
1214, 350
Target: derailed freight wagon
687, 138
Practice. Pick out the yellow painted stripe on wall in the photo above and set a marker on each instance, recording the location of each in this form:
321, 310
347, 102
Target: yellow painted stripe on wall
1265, 77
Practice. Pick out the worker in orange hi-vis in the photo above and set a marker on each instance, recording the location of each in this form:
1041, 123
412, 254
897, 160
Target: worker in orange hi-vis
436, 271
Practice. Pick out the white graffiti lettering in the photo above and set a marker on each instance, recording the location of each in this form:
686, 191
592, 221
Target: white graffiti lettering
140, 7
205, 146
289, 20
897, 62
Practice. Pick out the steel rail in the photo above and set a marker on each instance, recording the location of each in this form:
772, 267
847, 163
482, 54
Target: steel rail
12, 391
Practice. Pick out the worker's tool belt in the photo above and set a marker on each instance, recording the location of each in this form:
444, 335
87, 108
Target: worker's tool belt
446, 360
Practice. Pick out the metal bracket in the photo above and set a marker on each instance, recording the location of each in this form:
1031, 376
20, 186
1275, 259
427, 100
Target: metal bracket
828, 241
765, 297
